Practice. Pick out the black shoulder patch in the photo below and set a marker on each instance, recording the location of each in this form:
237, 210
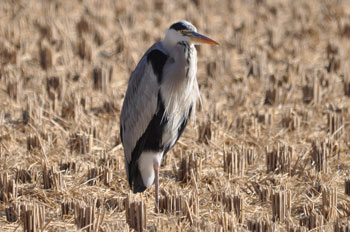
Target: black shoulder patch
178, 26
157, 59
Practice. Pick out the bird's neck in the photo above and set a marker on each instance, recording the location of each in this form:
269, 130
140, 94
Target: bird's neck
170, 40
168, 45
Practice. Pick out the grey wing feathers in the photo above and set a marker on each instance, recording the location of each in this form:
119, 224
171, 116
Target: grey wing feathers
140, 104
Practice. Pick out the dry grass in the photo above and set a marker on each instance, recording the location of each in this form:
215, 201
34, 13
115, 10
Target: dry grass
270, 148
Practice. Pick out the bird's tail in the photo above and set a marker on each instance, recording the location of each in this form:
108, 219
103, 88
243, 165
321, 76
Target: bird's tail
135, 178
139, 186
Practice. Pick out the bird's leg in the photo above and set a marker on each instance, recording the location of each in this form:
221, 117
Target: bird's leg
156, 174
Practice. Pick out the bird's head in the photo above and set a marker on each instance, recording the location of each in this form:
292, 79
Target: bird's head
185, 31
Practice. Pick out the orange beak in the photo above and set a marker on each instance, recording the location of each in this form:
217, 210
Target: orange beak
197, 38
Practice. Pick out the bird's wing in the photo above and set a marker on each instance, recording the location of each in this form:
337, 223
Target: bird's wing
140, 102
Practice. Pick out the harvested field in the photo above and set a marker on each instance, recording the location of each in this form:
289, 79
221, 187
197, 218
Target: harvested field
269, 149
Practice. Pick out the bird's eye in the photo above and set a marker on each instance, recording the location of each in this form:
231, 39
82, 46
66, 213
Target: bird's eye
184, 32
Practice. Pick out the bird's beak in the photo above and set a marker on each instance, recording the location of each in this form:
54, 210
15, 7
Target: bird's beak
197, 38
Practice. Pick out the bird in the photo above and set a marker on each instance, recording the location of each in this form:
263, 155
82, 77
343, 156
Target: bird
160, 98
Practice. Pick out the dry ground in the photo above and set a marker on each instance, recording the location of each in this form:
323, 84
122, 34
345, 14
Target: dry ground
270, 146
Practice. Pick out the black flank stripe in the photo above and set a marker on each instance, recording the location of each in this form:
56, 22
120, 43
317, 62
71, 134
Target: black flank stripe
156, 127
151, 140
157, 59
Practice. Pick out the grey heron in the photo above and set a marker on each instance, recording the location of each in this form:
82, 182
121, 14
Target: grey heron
160, 98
